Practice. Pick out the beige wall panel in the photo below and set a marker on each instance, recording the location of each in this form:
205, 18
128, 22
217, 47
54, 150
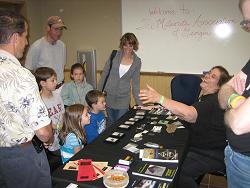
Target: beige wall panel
160, 83
92, 24
36, 22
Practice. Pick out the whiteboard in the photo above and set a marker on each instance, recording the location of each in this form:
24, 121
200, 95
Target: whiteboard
184, 36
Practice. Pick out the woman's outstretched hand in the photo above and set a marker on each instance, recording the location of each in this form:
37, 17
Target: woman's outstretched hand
149, 95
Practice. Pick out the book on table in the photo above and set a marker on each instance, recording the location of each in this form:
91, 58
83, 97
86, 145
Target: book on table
165, 172
159, 155
147, 183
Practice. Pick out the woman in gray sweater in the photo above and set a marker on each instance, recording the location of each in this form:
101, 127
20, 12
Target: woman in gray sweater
124, 74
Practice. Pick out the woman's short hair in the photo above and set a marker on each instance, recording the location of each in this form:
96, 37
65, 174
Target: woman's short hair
129, 38
224, 75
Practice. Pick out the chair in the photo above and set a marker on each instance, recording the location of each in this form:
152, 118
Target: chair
221, 173
185, 88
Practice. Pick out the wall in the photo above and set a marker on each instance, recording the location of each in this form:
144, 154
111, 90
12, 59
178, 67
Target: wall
187, 36
92, 24
34, 16
14, 5
17, 6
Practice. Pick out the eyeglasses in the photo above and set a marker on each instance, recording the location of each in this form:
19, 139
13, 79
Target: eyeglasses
245, 25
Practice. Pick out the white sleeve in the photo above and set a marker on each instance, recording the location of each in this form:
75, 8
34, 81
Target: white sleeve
32, 58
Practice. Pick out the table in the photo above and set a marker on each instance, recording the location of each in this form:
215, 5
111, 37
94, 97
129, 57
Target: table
99, 150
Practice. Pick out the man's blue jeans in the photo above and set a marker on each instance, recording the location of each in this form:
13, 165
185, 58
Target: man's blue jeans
238, 168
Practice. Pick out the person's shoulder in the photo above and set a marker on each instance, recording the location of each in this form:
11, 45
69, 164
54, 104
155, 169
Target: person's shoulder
210, 96
91, 126
86, 84
93, 116
101, 114
23, 72
68, 84
55, 94
92, 113
55, 99
71, 136
246, 68
213, 95
38, 42
61, 43
118, 52
28, 73
72, 139
97, 116
37, 45
211, 99
137, 59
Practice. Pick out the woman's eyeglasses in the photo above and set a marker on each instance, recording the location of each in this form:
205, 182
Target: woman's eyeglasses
245, 25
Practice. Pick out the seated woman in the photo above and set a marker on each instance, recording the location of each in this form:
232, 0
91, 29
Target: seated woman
208, 136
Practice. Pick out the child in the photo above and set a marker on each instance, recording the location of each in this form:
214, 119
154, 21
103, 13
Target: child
47, 81
96, 101
75, 91
72, 135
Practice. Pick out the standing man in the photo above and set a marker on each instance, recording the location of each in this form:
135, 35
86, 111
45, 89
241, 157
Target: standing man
49, 51
234, 96
22, 112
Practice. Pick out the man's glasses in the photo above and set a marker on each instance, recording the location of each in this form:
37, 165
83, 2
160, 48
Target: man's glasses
245, 25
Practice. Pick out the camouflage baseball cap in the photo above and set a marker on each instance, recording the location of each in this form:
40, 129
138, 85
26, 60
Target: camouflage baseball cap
56, 21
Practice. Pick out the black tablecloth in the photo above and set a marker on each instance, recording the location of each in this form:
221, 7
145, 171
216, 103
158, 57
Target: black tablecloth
99, 150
